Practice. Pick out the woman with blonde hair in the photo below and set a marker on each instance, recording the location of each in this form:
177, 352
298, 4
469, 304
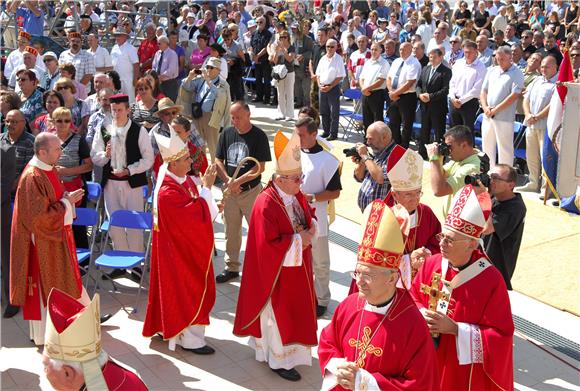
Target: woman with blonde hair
79, 109
284, 54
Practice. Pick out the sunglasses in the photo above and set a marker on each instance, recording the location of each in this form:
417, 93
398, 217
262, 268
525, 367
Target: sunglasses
21, 79
167, 113
48, 60
331, 47
63, 121
62, 88
143, 89
208, 67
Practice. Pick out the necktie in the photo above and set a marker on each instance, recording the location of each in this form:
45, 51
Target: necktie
159, 63
431, 75
396, 79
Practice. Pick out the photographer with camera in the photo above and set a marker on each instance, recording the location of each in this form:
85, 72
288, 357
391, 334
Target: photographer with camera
371, 171
502, 235
448, 178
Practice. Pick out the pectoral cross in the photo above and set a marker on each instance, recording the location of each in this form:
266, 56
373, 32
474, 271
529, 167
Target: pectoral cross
364, 346
31, 286
434, 294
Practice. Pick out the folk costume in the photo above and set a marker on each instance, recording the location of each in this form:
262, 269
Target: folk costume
390, 343
277, 304
43, 252
182, 289
475, 296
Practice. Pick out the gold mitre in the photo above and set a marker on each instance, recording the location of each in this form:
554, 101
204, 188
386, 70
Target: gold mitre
171, 148
287, 154
73, 333
405, 169
383, 242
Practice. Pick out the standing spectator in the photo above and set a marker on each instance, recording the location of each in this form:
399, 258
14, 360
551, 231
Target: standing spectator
263, 70
329, 73
529, 48
371, 172
465, 86
504, 230
78, 108
432, 89
8, 176
126, 63
439, 40
166, 64
357, 60
401, 83
485, 54
235, 59
199, 54
173, 44
30, 95
101, 56
500, 21
212, 92
456, 51
32, 14
318, 52
499, 93
550, 47
237, 142
571, 17
148, 48
373, 84
22, 141
85, 29
419, 53
83, 61
304, 47
425, 29
285, 53
124, 151
144, 109
536, 108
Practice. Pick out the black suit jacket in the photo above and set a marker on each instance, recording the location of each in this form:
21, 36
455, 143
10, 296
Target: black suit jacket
437, 88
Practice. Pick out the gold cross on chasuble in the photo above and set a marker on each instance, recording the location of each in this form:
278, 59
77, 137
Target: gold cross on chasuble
434, 294
364, 346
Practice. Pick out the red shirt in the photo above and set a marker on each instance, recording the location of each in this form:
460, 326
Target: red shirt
146, 51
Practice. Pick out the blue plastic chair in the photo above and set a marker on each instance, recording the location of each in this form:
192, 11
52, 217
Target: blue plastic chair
520, 140
118, 259
94, 191
86, 217
351, 116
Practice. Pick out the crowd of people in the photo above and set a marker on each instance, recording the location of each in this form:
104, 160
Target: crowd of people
166, 107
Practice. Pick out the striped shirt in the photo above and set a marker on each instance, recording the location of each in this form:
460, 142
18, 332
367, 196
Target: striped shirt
24, 147
83, 61
370, 190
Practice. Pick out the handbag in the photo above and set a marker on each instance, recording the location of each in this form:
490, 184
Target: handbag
196, 111
279, 72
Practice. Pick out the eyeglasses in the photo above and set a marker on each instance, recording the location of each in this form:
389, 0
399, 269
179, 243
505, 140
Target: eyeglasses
368, 278
296, 179
63, 121
448, 240
495, 177
62, 88
260, 22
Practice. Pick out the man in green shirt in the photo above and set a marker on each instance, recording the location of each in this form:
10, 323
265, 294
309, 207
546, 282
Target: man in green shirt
447, 179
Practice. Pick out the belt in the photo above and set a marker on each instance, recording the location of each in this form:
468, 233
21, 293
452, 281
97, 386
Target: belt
250, 187
113, 177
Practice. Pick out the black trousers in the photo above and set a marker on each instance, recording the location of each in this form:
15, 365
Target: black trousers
466, 114
402, 112
263, 74
236, 87
431, 119
373, 107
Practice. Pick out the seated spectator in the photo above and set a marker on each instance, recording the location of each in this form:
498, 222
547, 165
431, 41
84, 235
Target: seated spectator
199, 54
9, 100
29, 58
468, 32
79, 109
51, 100
30, 95
447, 179
485, 53
455, 53
153, 78
144, 109
102, 117
550, 47
68, 71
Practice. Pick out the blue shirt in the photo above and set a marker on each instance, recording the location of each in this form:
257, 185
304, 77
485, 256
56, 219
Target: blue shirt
34, 25
371, 190
199, 88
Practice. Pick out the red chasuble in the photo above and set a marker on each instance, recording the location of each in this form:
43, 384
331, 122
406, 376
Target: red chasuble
50, 261
182, 288
422, 235
120, 379
482, 301
400, 355
291, 289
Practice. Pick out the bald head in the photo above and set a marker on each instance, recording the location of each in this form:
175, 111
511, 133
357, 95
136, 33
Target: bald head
549, 67
405, 50
43, 140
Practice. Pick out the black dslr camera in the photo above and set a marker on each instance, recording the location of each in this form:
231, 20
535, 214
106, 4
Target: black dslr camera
443, 149
483, 169
348, 152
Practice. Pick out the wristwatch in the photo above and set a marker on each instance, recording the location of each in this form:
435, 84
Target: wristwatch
365, 158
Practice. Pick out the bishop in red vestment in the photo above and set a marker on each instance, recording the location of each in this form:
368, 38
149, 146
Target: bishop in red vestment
182, 288
43, 252
377, 339
465, 301
277, 304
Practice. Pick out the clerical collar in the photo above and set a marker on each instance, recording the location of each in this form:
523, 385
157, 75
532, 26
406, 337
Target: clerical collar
286, 198
178, 179
36, 162
380, 308
315, 149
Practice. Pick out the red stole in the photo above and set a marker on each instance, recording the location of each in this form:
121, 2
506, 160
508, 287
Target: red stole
483, 301
120, 379
182, 287
400, 354
31, 308
290, 289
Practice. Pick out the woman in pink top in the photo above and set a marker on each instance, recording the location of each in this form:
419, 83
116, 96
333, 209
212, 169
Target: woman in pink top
199, 55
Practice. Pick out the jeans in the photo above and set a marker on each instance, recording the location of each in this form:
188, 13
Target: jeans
329, 110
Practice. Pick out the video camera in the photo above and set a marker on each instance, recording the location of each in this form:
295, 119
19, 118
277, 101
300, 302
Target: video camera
483, 177
349, 152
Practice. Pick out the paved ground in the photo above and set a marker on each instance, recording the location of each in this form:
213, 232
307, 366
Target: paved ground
536, 366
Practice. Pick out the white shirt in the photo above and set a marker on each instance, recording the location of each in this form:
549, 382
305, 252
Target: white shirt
374, 70
329, 69
539, 93
344, 38
434, 45
102, 57
124, 57
411, 71
16, 58
466, 80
